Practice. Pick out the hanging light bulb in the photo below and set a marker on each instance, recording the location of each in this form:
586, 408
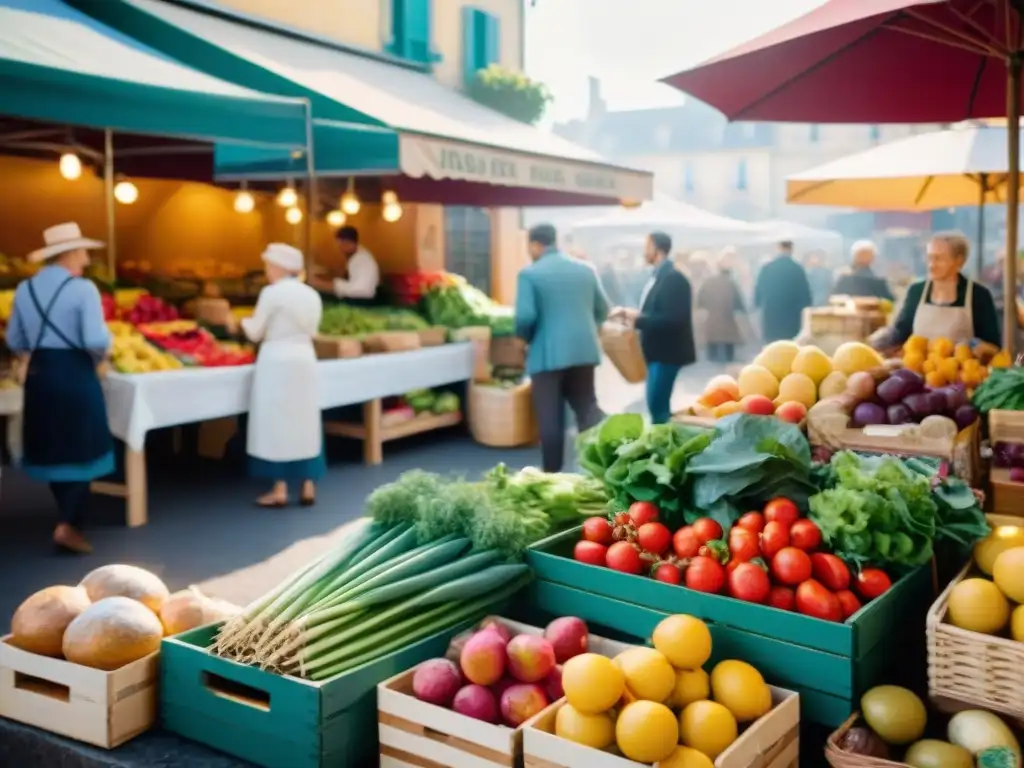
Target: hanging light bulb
70, 166
389, 198
350, 204
125, 192
287, 197
392, 212
244, 201
293, 215
336, 219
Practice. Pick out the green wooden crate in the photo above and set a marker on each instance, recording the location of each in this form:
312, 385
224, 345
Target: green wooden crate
829, 664
275, 721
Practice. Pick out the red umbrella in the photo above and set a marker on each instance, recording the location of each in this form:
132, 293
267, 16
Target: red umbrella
881, 61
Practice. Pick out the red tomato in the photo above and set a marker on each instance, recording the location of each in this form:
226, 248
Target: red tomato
872, 582
752, 521
781, 598
597, 529
668, 573
654, 538
743, 544
830, 571
781, 510
774, 537
805, 535
622, 556
685, 542
731, 566
590, 552
641, 512
848, 602
789, 566
705, 574
812, 599
707, 529
750, 583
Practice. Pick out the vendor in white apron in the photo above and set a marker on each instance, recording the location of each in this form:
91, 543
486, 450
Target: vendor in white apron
285, 440
947, 304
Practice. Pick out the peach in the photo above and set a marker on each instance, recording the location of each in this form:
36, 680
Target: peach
727, 409
553, 684
758, 405
521, 702
483, 658
568, 636
493, 625
715, 397
793, 412
530, 658
725, 384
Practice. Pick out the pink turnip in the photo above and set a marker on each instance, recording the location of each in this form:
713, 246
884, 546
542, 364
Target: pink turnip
568, 636
530, 658
477, 702
436, 682
553, 684
521, 702
493, 625
483, 658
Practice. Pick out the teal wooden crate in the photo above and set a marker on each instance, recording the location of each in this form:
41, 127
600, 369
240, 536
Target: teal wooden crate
275, 721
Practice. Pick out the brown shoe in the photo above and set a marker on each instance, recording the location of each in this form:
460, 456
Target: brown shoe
68, 539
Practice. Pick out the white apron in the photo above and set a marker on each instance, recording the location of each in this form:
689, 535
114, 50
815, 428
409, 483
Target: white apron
933, 321
285, 422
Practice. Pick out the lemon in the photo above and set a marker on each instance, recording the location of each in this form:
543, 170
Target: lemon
1008, 573
812, 362
708, 727
740, 688
597, 731
646, 731
977, 605
1017, 624
684, 757
591, 683
691, 685
648, 674
685, 641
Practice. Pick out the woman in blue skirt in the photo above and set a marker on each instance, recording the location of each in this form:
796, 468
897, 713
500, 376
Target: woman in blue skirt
57, 322
285, 440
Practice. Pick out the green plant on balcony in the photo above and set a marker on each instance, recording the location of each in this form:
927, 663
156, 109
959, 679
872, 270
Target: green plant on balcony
511, 93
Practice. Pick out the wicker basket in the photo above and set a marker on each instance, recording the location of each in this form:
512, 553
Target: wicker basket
502, 418
508, 352
391, 341
972, 668
840, 758
480, 337
622, 345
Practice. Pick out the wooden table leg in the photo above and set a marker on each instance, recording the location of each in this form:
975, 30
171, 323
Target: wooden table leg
136, 497
373, 442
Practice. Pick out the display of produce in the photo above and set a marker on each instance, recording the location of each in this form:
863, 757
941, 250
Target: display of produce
457, 304
193, 345
432, 401
347, 320
941, 361
409, 289
130, 352
138, 308
1003, 390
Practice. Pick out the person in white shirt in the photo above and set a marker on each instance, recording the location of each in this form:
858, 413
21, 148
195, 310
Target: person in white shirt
363, 272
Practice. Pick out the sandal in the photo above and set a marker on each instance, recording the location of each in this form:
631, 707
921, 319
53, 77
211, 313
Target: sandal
68, 539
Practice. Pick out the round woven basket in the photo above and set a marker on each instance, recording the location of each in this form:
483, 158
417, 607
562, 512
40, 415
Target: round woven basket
839, 758
502, 418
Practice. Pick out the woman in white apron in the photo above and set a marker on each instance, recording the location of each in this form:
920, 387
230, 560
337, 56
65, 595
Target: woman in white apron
947, 304
285, 441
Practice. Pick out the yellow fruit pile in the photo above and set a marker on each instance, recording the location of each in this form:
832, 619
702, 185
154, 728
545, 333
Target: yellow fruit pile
127, 298
6, 305
168, 327
658, 705
942, 362
131, 353
986, 603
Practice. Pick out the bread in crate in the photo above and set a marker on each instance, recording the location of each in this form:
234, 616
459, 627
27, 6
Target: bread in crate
417, 733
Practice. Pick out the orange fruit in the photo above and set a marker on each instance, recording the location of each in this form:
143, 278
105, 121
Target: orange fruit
935, 379
942, 347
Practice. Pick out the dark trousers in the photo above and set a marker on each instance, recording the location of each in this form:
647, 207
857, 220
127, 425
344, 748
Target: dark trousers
721, 353
72, 500
661, 380
551, 391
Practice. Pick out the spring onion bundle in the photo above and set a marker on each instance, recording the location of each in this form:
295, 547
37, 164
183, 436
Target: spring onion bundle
433, 554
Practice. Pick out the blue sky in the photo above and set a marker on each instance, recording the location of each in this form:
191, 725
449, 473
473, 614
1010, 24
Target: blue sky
630, 43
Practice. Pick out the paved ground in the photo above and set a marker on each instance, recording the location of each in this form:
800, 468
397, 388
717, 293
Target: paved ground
203, 529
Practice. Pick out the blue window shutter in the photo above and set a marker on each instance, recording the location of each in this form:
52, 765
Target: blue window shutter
411, 29
491, 39
470, 62
481, 41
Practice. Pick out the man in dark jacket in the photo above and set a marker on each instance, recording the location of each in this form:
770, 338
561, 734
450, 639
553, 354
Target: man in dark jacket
782, 294
665, 323
861, 281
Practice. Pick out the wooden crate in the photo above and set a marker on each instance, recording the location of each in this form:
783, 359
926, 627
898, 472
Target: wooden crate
416, 734
772, 741
433, 337
829, 664
391, 341
101, 708
508, 351
1007, 496
337, 347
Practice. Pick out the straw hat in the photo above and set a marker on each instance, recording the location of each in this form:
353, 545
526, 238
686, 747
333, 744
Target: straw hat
62, 238
284, 256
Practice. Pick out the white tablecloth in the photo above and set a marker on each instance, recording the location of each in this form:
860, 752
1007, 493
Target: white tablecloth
137, 403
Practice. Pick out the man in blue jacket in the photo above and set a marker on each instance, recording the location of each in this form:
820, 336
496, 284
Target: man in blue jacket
559, 308
782, 294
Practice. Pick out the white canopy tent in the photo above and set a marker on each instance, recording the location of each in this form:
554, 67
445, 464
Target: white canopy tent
804, 237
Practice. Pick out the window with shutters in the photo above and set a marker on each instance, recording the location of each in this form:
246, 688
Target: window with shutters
467, 243
411, 31
481, 41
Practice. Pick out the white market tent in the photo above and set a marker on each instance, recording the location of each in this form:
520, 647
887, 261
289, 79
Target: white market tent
804, 237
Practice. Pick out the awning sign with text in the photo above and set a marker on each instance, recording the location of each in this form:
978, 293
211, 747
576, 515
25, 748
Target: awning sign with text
453, 160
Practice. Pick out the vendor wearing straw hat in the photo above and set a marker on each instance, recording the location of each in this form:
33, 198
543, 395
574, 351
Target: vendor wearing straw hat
285, 441
57, 322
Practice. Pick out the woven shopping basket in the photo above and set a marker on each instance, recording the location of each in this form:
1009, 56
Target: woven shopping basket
972, 668
622, 345
500, 417
839, 758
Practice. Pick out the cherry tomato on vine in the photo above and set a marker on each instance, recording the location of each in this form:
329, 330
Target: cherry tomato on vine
781, 510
